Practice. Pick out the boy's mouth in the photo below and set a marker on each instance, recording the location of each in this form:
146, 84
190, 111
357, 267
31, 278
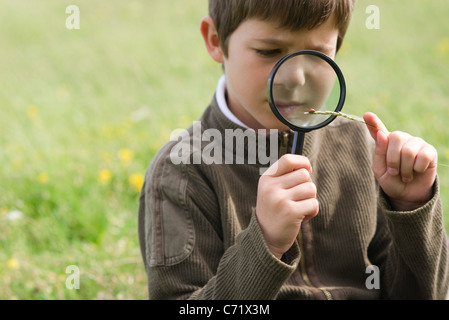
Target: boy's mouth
288, 108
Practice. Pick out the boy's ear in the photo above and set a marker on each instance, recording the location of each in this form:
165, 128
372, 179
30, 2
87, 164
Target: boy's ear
210, 36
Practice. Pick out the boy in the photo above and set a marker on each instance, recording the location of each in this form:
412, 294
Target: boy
357, 217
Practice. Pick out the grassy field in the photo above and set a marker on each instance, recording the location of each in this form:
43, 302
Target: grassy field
84, 111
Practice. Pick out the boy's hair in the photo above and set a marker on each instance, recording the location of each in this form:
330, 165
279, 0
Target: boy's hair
291, 14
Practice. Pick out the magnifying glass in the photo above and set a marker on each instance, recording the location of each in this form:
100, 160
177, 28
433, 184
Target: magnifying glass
303, 90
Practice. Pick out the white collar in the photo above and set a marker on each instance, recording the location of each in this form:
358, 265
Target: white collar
223, 105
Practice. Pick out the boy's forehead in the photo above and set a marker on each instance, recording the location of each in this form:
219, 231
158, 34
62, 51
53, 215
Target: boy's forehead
269, 32
276, 25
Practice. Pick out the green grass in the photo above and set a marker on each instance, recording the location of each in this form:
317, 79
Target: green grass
84, 111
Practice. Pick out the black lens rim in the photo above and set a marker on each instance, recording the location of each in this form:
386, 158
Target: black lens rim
341, 80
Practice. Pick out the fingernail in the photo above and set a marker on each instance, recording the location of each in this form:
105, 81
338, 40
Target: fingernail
406, 180
393, 171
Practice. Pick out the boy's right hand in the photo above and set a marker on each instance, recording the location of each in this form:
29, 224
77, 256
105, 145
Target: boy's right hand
286, 197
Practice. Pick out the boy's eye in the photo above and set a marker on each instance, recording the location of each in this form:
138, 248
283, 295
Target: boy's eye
268, 53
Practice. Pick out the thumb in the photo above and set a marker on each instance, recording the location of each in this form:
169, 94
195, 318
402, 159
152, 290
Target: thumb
374, 124
380, 134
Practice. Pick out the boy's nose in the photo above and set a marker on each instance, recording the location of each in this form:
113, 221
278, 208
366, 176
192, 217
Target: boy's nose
292, 73
298, 77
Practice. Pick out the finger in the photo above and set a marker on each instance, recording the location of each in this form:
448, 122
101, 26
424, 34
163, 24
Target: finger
396, 141
288, 163
426, 159
380, 155
306, 209
295, 178
314, 209
374, 124
409, 153
302, 192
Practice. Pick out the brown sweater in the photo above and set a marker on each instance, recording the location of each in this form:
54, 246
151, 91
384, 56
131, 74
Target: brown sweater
200, 238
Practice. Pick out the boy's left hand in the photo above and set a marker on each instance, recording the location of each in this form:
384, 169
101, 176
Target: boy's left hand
404, 166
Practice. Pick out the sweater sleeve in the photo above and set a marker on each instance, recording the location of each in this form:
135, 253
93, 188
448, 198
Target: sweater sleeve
182, 243
412, 251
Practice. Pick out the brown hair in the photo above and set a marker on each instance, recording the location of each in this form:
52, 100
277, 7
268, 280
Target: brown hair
291, 14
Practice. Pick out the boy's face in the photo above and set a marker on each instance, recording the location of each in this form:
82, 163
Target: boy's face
253, 50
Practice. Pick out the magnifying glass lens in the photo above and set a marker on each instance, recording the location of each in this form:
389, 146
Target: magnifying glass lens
304, 89
305, 83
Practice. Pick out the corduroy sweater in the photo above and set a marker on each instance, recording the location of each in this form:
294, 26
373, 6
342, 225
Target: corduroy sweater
200, 238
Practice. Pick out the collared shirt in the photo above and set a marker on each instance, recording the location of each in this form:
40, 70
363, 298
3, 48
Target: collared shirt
223, 104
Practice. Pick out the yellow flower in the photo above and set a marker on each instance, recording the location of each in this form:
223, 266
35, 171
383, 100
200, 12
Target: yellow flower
126, 156
17, 164
3, 211
43, 178
136, 181
13, 264
32, 111
104, 176
443, 45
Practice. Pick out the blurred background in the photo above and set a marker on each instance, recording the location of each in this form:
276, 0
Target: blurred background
83, 112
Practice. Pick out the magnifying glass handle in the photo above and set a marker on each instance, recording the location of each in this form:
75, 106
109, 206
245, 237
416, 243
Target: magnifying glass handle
298, 142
